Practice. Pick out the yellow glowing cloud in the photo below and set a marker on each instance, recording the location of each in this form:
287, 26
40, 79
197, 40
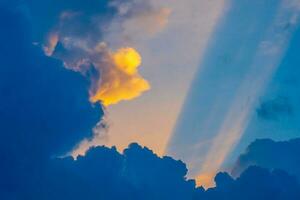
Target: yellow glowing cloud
127, 60
120, 79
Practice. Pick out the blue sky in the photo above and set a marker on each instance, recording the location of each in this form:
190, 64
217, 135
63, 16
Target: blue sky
245, 61
96, 97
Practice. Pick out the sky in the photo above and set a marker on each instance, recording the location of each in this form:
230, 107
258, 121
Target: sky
185, 36
149, 99
232, 80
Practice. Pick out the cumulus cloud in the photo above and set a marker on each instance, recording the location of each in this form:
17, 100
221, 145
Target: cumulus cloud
270, 154
275, 109
37, 94
84, 39
114, 74
99, 41
255, 183
137, 173
105, 173
44, 109
120, 79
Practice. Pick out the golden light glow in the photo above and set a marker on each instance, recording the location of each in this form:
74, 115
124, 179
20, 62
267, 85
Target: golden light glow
206, 180
120, 79
52, 41
127, 60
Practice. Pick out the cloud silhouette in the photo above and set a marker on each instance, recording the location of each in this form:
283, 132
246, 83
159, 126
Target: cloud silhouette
255, 183
103, 173
270, 154
45, 110
274, 109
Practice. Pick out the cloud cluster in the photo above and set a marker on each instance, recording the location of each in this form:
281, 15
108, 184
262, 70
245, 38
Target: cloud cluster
44, 109
84, 38
270, 154
103, 173
41, 102
99, 41
275, 109
120, 79
139, 174
255, 183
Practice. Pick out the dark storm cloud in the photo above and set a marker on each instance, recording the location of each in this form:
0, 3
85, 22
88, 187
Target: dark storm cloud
255, 183
44, 108
139, 174
106, 174
44, 112
273, 155
274, 109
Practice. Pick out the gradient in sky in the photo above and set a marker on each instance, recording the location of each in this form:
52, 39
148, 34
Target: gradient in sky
202, 81
170, 60
237, 56
241, 59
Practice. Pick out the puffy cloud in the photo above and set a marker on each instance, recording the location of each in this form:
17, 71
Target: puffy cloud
119, 77
39, 98
275, 109
140, 174
114, 74
44, 109
89, 37
255, 183
83, 38
104, 173
270, 154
